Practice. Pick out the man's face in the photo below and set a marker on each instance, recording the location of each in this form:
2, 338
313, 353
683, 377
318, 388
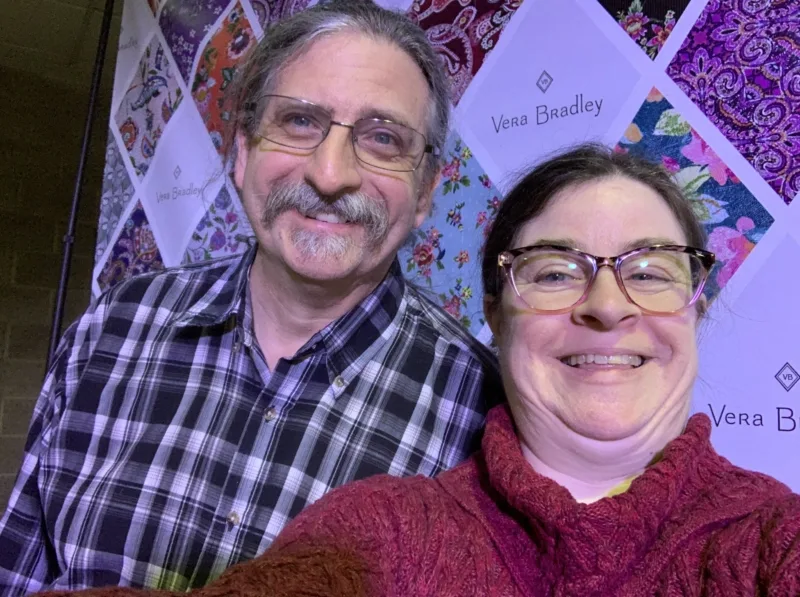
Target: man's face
353, 77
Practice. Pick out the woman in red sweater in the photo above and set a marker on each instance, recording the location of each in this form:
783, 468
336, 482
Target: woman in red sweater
593, 480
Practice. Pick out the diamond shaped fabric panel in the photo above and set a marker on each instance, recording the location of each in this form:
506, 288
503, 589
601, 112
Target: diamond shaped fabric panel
152, 98
116, 194
184, 23
647, 22
733, 217
444, 255
740, 65
135, 251
463, 34
217, 68
223, 230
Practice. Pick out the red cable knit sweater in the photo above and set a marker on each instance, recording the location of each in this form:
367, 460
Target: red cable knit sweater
692, 524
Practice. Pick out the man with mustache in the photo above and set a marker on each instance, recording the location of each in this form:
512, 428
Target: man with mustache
190, 414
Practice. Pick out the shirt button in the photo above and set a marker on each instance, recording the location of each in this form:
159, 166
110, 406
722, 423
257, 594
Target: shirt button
270, 414
233, 519
338, 382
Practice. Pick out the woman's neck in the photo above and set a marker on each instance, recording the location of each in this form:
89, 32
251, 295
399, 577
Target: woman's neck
582, 489
591, 469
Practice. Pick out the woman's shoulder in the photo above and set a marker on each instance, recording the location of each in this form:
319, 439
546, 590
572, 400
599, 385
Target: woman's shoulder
374, 507
735, 485
760, 538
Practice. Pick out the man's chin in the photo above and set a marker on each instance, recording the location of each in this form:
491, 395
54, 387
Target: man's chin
324, 266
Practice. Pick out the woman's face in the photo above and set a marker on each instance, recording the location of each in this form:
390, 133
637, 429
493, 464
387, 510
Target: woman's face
603, 402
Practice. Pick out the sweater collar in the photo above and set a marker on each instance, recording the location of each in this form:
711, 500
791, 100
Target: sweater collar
536, 495
596, 542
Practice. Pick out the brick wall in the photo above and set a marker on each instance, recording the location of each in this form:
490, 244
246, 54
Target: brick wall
39, 147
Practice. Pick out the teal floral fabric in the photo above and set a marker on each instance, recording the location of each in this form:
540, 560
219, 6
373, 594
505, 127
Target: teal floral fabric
443, 257
733, 217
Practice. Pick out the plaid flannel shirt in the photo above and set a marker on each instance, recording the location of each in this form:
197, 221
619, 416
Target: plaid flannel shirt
162, 449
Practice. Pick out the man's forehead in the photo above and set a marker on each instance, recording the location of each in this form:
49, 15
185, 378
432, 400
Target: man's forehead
352, 76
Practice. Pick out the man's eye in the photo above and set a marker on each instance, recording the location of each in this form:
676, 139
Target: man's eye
299, 120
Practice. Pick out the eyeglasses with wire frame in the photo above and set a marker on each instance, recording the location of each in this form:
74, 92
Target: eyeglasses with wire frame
384, 144
660, 279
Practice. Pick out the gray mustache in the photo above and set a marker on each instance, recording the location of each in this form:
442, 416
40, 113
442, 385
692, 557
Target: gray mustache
356, 208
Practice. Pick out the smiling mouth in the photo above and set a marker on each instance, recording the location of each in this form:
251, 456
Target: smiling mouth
577, 361
327, 217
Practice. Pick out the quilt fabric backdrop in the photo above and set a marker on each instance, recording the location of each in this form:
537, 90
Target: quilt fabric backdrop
709, 88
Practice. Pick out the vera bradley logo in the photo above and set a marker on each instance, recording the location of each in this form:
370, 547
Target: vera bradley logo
787, 377
787, 419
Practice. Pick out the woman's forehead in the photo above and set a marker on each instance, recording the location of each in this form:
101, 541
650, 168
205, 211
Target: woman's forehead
610, 212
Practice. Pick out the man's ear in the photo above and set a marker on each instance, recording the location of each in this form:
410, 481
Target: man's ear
240, 165
425, 200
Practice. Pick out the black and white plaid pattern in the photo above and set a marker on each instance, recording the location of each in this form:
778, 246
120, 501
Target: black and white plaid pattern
162, 450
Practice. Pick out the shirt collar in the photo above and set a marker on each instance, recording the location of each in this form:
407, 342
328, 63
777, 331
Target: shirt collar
346, 340
224, 298
355, 334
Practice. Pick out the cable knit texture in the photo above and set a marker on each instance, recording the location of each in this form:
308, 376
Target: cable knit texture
691, 524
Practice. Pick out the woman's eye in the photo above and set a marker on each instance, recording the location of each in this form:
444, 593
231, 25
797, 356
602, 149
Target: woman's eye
552, 277
649, 277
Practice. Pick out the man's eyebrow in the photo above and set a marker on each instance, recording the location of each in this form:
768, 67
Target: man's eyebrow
386, 114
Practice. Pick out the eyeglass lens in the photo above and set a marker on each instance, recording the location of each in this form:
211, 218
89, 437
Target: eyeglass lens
659, 281
300, 125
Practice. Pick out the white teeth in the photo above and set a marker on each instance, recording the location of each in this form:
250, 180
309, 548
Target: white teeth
330, 218
601, 359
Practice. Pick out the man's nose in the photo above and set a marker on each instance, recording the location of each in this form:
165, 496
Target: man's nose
333, 168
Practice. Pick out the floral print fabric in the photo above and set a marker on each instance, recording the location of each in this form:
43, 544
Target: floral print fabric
150, 101
443, 257
116, 194
135, 252
269, 11
184, 24
734, 219
463, 33
649, 23
740, 64
223, 230
216, 69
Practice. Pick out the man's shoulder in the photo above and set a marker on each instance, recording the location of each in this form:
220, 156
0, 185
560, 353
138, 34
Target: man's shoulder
434, 324
177, 289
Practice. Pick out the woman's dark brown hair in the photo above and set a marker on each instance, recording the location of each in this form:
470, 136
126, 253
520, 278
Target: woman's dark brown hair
582, 164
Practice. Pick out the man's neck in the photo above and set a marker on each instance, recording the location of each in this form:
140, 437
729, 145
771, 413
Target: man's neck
288, 310
591, 469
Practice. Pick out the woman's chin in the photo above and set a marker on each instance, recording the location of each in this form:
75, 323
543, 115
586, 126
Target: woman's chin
605, 422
